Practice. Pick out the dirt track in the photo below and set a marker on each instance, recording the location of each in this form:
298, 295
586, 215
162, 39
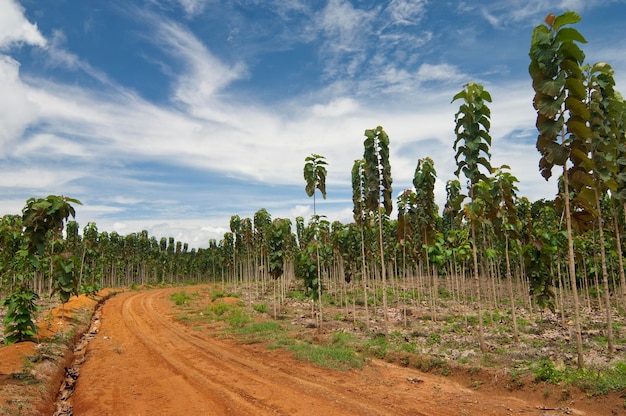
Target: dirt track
145, 362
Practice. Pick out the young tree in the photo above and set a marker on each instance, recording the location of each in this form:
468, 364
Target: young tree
562, 118
40, 217
472, 151
377, 191
315, 177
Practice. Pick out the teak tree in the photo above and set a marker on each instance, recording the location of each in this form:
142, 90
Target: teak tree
40, 218
562, 119
472, 151
377, 191
315, 177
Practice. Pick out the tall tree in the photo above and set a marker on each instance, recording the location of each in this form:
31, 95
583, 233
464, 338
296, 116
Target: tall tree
562, 118
377, 192
472, 152
315, 177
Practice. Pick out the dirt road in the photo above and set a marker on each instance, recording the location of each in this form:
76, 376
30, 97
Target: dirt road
145, 362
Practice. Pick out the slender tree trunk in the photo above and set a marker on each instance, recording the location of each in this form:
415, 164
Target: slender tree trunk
509, 278
364, 279
481, 329
605, 276
620, 257
572, 269
383, 271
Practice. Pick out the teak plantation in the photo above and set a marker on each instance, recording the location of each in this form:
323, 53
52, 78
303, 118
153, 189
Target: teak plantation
490, 249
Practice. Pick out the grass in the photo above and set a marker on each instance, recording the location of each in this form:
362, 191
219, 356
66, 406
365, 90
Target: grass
180, 298
260, 307
218, 294
328, 356
450, 338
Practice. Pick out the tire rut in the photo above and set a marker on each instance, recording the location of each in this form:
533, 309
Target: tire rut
145, 362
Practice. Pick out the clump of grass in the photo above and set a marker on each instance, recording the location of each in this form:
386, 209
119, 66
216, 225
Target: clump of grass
598, 382
180, 298
328, 356
377, 346
260, 307
270, 331
218, 294
238, 318
546, 371
219, 309
26, 375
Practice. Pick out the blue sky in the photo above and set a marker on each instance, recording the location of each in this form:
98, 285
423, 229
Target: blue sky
174, 115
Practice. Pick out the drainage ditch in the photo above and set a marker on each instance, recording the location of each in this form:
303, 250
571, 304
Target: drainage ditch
63, 407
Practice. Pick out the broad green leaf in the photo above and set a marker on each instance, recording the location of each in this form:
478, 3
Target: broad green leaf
571, 51
577, 107
541, 34
549, 127
578, 128
576, 88
570, 34
555, 153
567, 18
552, 87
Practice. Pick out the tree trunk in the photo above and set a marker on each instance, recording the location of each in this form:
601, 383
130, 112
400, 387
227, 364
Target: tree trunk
572, 269
605, 277
481, 330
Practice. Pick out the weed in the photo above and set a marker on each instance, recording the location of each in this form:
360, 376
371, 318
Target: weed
598, 382
219, 309
546, 371
238, 318
377, 346
180, 298
260, 307
296, 294
433, 339
329, 356
219, 294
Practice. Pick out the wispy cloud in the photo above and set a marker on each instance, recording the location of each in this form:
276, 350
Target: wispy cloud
15, 29
203, 74
406, 12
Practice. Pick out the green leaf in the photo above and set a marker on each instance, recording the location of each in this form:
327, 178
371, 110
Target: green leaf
578, 128
567, 18
541, 35
553, 87
549, 127
577, 107
571, 51
556, 153
570, 34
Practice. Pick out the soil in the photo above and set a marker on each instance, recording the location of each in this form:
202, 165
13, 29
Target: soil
31, 372
144, 361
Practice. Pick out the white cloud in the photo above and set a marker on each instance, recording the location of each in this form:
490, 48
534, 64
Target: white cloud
203, 75
17, 108
406, 12
15, 29
439, 72
194, 7
345, 27
37, 178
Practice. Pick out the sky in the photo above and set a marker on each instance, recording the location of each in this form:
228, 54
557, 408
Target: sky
171, 116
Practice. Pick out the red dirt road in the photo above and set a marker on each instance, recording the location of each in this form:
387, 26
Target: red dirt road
145, 362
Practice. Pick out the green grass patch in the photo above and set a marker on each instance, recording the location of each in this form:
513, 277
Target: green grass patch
219, 294
266, 331
217, 310
260, 307
328, 356
180, 298
599, 382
